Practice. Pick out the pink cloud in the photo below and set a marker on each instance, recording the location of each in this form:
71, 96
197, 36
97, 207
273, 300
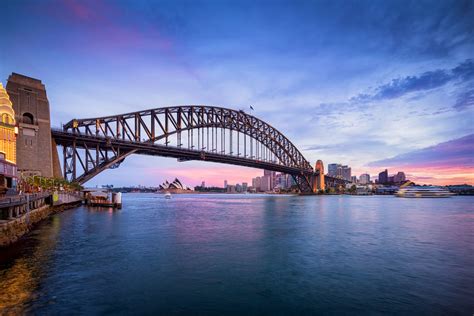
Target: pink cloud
445, 163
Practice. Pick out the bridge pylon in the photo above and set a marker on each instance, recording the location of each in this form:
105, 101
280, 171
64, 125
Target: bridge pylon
318, 178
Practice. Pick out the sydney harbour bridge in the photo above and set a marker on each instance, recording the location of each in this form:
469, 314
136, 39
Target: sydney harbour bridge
194, 132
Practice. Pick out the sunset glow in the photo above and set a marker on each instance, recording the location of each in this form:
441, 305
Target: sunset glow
386, 101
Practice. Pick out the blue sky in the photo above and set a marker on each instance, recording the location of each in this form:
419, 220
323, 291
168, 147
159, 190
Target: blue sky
355, 82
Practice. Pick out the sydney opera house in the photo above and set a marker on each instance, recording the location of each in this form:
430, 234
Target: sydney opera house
175, 186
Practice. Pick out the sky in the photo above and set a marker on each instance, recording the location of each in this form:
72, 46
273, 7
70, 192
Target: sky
370, 84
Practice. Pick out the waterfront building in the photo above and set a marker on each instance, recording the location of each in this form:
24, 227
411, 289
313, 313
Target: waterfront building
364, 178
272, 176
7, 127
238, 188
383, 177
36, 150
290, 181
244, 186
354, 179
176, 185
231, 189
256, 182
339, 171
225, 184
332, 169
203, 184
461, 189
345, 173
266, 183
281, 181
399, 177
8, 132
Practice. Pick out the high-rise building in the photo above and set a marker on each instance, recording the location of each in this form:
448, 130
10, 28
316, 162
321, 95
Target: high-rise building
281, 181
256, 183
345, 173
225, 184
339, 171
290, 181
266, 183
383, 177
272, 176
399, 177
364, 178
203, 184
332, 169
354, 179
244, 186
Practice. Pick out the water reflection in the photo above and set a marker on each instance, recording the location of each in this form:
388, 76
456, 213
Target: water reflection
230, 254
22, 267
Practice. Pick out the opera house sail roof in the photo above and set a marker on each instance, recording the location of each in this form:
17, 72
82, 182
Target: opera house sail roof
175, 185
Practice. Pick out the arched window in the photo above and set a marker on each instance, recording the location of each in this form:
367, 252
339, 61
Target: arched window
28, 118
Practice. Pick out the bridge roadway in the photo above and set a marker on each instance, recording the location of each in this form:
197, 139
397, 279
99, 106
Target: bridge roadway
147, 148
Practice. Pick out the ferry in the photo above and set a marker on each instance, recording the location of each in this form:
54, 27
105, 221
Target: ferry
167, 195
423, 192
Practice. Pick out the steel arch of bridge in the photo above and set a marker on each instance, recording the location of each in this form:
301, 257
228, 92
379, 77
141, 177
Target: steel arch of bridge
194, 132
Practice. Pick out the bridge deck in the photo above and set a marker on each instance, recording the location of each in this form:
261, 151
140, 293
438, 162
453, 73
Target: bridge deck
66, 138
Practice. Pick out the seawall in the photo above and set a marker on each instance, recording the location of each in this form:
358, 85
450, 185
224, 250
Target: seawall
12, 230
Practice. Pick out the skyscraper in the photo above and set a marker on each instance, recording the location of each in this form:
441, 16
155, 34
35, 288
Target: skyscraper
383, 177
272, 176
364, 178
345, 173
266, 183
332, 169
256, 183
339, 171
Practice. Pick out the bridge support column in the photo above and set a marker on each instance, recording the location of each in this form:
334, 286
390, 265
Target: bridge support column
318, 177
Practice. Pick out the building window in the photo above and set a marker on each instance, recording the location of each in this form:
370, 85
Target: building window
28, 118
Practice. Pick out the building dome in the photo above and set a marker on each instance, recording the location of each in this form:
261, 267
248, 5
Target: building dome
6, 108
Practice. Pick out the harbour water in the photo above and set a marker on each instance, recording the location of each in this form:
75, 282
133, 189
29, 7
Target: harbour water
247, 254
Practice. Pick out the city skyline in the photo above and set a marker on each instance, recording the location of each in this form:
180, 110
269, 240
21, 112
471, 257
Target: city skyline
377, 109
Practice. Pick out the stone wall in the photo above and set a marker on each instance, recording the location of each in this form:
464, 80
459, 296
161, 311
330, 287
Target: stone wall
14, 229
11, 231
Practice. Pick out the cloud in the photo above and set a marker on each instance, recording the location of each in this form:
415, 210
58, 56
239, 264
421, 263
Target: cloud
465, 70
457, 153
464, 100
426, 81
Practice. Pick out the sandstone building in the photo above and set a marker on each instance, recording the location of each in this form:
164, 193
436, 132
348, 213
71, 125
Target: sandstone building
34, 145
8, 171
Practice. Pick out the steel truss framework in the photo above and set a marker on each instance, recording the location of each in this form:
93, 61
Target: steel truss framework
195, 132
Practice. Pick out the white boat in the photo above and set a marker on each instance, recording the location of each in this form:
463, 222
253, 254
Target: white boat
423, 192
167, 195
